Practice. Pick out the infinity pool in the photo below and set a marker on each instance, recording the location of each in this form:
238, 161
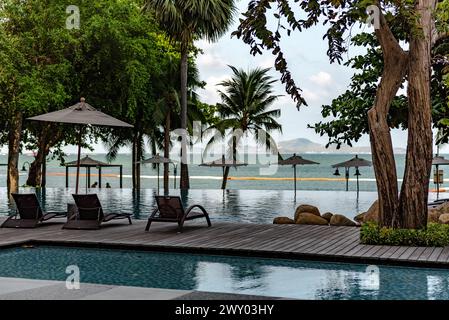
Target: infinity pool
267, 277
256, 206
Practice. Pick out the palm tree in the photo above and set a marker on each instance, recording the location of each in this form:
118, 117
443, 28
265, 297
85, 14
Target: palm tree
184, 22
169, 104
245, 106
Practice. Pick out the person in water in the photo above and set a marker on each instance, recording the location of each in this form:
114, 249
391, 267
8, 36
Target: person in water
108, 185
94, 185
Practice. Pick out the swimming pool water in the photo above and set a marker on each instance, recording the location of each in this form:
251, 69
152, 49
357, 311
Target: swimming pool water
255, 206
267, 277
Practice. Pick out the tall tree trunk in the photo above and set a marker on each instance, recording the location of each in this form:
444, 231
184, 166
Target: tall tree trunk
14, 137
47, 138
167, 151
133, 166
395, 69
44, 173
138, 158
234, 143
35, 171
415, 186
225, 178
184, 183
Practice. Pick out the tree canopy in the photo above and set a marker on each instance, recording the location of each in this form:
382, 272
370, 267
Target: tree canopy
407, 34
117, 59
347, 113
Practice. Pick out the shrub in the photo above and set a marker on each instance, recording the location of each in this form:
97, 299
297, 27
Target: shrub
436, 235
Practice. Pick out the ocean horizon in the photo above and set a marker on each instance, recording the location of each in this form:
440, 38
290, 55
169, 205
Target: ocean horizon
258, 175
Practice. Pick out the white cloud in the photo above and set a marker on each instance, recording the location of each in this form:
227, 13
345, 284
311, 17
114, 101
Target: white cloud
209, 94
311, 95
210, 61
322, 79
267, 63
205, 45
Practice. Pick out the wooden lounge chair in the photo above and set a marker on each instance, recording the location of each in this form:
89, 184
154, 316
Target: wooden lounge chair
29, 213
90, 214
170, 209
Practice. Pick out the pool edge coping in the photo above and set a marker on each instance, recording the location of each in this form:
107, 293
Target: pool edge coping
233, 252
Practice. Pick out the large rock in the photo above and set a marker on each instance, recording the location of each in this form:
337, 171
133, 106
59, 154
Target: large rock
443, 208
444, 218
307, 208
341, 220
373, 213
433, 215
283, 220
360, 217
309, 218
327, 216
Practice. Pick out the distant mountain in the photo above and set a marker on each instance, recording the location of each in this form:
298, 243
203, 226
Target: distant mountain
302, 145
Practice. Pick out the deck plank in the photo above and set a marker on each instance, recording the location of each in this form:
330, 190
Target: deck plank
297, 240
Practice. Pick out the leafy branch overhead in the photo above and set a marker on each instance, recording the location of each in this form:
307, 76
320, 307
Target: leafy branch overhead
348, 112
254, 31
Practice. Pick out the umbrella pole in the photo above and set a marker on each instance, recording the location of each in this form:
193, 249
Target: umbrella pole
357, 185
294, 175
223, 172
78, 162
158, 178
347, 178
174, 173
438, 182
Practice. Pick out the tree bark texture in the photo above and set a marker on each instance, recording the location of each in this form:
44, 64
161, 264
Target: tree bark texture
14, 137
184, 180
415, 186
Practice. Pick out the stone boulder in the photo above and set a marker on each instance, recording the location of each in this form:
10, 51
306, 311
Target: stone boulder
444, 218
433, 215
373, 213
327, 216
443, 208
283, 220
309, 218
341, 220
308, 209
360, 217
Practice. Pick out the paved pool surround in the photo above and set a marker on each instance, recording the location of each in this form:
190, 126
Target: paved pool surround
30, 289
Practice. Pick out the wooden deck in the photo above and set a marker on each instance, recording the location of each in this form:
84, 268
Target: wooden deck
286, 241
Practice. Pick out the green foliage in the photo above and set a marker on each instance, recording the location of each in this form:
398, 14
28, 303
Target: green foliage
436, 235
347, 114
442, 16
185, 21
340, 17
114, 60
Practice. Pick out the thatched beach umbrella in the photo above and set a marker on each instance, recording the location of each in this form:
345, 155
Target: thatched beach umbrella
81, 114
157, 159
89, 163
355, 162
295, 161
438, 161
223, 163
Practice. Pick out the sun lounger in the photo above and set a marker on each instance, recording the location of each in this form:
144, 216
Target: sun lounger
171, 209
29, 213
90, 214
